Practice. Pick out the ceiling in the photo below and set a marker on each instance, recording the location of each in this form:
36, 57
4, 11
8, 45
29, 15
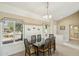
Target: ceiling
37, 10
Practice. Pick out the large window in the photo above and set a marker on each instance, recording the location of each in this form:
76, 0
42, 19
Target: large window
11, 31
18, 31
8, 31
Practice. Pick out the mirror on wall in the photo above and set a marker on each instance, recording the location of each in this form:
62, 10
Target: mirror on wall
74, 32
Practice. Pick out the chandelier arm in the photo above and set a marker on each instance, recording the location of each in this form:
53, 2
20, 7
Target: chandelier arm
47, 10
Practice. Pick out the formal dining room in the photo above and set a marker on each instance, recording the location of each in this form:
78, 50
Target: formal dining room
39, 29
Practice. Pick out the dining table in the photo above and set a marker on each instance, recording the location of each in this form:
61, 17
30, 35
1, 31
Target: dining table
37, 45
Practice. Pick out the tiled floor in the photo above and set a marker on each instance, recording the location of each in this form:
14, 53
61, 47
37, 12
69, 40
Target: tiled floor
67, 50
75, 42
61, 50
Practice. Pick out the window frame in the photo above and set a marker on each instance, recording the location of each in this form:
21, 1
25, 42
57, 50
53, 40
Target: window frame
14, 34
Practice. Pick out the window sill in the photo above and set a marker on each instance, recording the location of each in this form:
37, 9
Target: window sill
18, 40
7, 42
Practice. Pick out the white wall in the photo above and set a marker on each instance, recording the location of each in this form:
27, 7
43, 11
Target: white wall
12, 48
53, 30
35, 31
64, 33
51, 26
59, 37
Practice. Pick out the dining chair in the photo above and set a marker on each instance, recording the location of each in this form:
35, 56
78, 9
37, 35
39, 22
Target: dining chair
52, 38
38, 37
28, 49
53, 44
33, 39
45, 47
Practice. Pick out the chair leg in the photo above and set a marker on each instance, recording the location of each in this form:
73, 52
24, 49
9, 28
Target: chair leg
54, 49
25, 53
29, 53
43, 54
49, 52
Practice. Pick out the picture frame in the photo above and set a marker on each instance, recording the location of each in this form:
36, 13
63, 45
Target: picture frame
62, 27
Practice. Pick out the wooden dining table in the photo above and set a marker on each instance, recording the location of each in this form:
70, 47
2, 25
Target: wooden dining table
41, 44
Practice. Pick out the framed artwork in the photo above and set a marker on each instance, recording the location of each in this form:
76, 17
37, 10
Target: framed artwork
62, 27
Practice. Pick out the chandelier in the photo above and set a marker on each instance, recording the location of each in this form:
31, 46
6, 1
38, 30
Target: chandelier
47, 16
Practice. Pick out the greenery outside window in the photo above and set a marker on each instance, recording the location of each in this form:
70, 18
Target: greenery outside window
11, 31
8, 31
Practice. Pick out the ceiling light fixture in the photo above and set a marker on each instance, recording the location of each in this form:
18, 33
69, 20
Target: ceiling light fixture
47, 16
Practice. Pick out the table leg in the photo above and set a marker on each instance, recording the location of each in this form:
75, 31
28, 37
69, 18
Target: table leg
37, 52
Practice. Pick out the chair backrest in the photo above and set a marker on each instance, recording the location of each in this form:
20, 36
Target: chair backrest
26, 43
33, 38
27, 46
52, 40
47, 41
51, 35
38, 37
